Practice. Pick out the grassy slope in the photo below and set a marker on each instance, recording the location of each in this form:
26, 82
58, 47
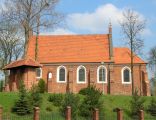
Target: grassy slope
110, 102
7, 100
119, 101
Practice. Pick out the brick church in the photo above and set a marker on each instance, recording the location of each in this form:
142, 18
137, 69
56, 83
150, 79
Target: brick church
73, 62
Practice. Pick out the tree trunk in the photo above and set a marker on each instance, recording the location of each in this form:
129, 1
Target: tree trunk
132, 77
37, 35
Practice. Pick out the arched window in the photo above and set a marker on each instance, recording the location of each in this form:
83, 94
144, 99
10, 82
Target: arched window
61, 74
126, 75
81, 74
38, 73
102, 74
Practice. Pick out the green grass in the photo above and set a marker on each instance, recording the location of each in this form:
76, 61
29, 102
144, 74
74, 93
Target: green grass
109, 101
7, 100
123, 102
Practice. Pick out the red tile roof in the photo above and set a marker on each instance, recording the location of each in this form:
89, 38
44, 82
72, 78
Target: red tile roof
77, 48
22, 62
122, 55
70, 48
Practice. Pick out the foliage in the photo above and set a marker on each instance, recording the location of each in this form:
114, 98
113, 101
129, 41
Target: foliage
137, 103
90, 90
152, 107
91, 100
110, 102
22, 106
41, 86
73, 101
49, 109
35, 98
1, 85
56, 99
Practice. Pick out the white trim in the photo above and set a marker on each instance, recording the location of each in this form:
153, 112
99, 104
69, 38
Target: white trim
40, 73
81, 66
58, 72
122, 75
101, 66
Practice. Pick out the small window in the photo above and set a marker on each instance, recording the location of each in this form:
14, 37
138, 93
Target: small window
81, 74
101, 74
38, 73
126, 75
49, 75
61, 74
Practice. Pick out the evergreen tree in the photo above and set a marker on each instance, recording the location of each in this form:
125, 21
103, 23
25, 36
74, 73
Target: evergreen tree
137, 103
41, 86
22, 106
73, 101
35, 98
91, 100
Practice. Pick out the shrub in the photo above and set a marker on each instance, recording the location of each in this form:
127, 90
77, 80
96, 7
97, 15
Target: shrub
49, 109
73, 101
91, 100
137, 103
35, 98
152, 107
1, 85
56, 99
22, 106
90, 90
41, 86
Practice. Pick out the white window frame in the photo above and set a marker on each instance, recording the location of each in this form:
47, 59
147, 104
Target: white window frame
101, 66
122, 75
78, 68
40, 74
58, 73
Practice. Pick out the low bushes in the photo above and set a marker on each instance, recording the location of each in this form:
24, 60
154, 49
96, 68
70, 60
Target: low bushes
82, 104
152, 107
136, 104
56, 99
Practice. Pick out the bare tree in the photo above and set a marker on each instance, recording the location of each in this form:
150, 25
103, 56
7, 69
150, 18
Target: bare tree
132, 26
152, 66
11, 46
152, 59
25, 14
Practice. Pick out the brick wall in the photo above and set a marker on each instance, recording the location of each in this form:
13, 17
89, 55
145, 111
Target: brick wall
28, 75
116, 86
114, 77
